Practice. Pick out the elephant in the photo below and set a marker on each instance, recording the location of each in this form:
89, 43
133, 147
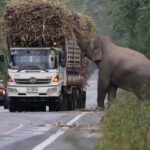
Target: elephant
119, 67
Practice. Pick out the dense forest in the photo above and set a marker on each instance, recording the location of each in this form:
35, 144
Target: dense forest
126, 21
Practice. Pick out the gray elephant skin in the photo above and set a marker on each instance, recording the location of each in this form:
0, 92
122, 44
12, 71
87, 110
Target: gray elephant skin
119, 67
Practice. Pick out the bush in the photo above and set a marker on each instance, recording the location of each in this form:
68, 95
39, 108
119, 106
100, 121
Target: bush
126, 125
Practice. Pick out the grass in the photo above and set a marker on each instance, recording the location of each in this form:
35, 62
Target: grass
126, 125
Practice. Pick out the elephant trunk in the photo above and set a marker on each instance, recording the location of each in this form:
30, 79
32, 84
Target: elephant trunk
83, 44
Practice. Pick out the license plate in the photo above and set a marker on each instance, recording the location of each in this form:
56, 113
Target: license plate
32, 90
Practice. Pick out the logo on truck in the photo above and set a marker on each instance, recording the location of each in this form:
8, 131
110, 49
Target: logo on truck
33, 80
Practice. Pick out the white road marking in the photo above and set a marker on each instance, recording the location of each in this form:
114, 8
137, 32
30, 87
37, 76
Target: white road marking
13, 130
53, 137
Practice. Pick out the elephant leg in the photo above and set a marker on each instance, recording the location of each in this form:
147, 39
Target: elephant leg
102, 91
112, 91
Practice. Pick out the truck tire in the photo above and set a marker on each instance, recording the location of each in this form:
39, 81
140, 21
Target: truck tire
12, 105
71, 101
78, 99
55, 106
51, 106
64, 102
39, 108
83, 100
43, 108
19, 108
6, 104
59, 103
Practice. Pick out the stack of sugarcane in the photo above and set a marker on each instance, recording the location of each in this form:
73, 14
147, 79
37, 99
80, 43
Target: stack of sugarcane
36, 23
40, 23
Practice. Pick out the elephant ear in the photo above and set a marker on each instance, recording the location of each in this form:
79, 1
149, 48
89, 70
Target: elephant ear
97, 55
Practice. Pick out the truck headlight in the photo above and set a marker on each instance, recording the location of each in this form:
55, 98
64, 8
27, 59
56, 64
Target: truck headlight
52, 90
56, 79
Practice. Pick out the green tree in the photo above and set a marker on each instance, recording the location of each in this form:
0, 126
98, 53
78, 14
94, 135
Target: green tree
2, 6
131, 22
94, 9
143, 27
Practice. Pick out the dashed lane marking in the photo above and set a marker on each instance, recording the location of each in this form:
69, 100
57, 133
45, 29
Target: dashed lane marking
60, 132
13, 130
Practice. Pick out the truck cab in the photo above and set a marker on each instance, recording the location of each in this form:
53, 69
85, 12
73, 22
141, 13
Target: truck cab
34, 76
52, 76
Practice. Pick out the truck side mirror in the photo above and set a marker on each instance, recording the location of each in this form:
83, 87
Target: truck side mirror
1, 58
63, 62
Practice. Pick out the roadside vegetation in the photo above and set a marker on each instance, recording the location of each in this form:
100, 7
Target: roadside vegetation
126, 125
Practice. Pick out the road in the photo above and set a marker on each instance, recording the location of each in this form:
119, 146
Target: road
72, 130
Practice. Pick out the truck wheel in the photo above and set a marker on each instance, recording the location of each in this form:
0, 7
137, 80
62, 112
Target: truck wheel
18, 106
78, 99
51, 106
75, 97
57, 106
83, 100
43, 108
19, 109
38, 108
6, 104
71, 102
64, 102
12, 105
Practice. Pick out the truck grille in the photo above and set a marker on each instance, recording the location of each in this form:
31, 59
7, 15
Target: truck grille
30, 81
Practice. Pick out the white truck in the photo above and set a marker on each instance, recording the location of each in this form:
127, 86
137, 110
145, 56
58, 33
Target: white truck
46, 76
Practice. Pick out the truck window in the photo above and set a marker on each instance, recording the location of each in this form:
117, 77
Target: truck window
45, 59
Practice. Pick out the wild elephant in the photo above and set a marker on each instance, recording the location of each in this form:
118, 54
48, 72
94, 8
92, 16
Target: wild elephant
119, 67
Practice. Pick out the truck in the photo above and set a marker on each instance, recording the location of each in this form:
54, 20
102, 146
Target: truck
41, 77
46, 67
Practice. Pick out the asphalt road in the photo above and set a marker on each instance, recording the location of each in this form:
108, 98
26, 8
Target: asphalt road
73, 130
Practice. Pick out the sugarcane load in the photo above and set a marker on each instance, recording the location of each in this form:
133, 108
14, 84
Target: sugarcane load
46, 66
40, 24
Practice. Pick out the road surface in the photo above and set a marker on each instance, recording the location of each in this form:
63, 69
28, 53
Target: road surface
72, 130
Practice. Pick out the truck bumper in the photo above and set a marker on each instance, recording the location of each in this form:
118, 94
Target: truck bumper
34, 91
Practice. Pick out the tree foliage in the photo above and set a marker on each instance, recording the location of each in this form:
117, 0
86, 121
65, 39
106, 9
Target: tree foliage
131, 22
2, 6
94, 9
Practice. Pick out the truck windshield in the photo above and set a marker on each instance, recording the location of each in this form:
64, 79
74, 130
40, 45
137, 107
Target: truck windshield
33, 59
